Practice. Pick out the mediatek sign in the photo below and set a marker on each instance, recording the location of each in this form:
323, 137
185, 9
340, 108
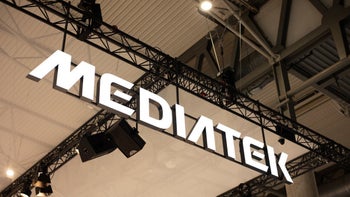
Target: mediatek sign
251, 149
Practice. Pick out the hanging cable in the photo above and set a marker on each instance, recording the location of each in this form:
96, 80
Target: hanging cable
240, 48
215, 54
65, 28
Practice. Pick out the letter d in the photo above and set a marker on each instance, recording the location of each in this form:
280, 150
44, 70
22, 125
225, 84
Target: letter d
165, 114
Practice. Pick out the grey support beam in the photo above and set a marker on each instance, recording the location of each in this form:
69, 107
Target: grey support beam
241, 36
334, 15
333, 19
322, 86
199, 62
252, 28
196, 49
283, 25
283, 86
319, 6
340, 40
305, 43
258, 33
320, 76
301, 45
234, 57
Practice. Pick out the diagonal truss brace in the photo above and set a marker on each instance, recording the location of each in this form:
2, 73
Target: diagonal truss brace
162, 70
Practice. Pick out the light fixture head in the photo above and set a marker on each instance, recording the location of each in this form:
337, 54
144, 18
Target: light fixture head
43, 180
126, 138
26, 192
45, 191
86, 5
206, 5
281, 141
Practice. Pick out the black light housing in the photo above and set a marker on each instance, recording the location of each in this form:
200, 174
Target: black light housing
86, 4
43, 180
96, 145
126, 138
26, 191
120, 135
92, 15
45, 191
43, 184
285, 133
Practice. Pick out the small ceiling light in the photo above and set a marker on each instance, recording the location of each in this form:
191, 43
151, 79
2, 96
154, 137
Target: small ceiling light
206, 5
10, 173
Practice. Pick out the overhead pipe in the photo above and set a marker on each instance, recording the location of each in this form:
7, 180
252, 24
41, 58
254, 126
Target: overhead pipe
318, 77
252, 32
242, 37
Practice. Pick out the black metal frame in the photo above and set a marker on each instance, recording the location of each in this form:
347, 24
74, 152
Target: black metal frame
296, 167
161, 70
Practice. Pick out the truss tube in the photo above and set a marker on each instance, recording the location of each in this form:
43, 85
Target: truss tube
61, 154
296, 167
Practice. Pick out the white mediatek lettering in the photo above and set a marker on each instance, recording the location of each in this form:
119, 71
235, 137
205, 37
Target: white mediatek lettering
104, 98
282, 164
203, 124
179, 121
58, 58
65, 77
247, 155
272, 161
229, 141
258, 155
146, 97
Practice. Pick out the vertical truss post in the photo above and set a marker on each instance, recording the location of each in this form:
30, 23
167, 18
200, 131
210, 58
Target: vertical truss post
283, 25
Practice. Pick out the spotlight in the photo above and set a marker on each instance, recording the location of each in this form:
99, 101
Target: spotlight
26, 191
43, 185
281, 140
206, 5
45, 191
43, 180
86, 4
92, 13
126, 138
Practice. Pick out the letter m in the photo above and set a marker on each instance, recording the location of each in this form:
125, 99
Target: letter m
65, 78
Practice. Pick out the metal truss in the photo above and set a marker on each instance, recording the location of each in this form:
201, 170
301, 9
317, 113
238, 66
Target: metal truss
160, 71
265, 182
62, 153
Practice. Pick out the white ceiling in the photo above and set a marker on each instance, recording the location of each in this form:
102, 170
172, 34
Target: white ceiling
35, 117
